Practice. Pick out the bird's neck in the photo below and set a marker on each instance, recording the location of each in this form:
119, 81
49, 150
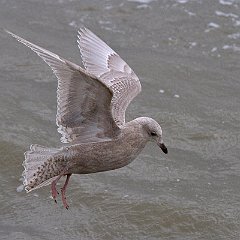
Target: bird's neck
136, 129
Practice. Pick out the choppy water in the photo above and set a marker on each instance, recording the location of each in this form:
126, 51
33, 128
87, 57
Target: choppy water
187, 55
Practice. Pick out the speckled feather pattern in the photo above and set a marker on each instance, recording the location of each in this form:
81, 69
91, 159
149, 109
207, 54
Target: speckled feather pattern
91, 105
49, 164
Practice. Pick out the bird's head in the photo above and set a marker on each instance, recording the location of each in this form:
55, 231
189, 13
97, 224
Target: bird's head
153, 131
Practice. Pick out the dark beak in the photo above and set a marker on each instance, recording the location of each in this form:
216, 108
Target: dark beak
163, 147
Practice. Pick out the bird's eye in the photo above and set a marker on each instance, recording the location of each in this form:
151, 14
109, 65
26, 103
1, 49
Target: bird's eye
153, 134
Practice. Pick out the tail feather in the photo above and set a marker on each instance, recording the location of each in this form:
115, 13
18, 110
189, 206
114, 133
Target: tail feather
41, 166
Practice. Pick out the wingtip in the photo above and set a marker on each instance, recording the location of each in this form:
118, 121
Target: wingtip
7, 31
11, 33
83, 30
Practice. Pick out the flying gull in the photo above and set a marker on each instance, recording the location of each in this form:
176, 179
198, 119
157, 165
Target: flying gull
91, 105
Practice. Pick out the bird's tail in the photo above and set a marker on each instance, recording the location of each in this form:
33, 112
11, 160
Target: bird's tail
41, 166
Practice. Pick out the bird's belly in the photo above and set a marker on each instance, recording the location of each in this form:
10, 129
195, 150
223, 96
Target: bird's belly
92, 159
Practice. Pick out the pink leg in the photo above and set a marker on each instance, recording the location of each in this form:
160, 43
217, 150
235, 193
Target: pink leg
54, 189
63, 191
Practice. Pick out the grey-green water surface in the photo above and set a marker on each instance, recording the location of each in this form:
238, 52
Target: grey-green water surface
187, 55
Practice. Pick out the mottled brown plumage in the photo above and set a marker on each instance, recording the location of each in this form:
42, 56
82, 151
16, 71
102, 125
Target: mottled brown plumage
91, 105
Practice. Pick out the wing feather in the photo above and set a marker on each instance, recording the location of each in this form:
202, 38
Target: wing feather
100, 60
83, 102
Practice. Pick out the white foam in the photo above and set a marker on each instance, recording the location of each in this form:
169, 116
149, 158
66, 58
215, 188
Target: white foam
224, 2
192, 44
234, 35
231, 47
190, 13
73, 24
143, 6
141, 1
214, 49
109, 7
213, 25
237, 23
182, 1
232, 15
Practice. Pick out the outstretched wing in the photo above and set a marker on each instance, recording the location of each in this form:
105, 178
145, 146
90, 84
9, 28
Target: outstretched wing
83, 102
100, 60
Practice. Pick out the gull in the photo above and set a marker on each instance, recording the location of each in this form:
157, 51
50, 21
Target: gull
91, 105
